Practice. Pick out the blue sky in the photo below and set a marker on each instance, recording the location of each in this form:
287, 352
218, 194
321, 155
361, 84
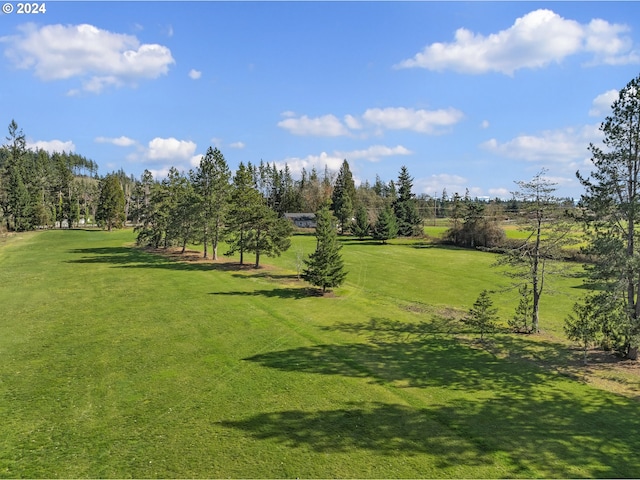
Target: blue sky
469, 95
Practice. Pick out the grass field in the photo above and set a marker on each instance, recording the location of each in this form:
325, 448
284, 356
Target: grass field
117, 362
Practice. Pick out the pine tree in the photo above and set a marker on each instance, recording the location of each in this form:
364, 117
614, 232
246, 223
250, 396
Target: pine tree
404, 207
360, 228
246, 203
211, 184
521, 321
325, 267
344, 196
386, 227
270, 235
482, 315
583, 325
612, 209
111, 203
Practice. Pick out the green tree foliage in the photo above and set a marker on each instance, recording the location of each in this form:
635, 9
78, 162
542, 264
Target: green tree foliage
584, 324
612, 209
182, 209
270, 235
474, 229
521, 321
150, 228
111, 203
212, 186
245, 210
361, 227
325, 267
38, 189
343, 198
482, 316
385, 227
404, 207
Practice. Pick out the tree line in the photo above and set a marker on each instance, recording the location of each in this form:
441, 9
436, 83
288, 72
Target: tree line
38, 189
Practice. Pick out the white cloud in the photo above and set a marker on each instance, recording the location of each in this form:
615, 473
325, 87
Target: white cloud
237, 145
503, 193
334, 160
297, 164
159, 173
119, 141
195, 160
97, 57
559, 146
608, 43
485, 124
352, 122
52, 146
194, 74
601, 105
374, 153
325, 126
434, 184
423, 121
535, 40
170, 149
432, 122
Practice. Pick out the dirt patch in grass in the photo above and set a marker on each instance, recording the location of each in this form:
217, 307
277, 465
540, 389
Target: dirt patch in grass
196, 257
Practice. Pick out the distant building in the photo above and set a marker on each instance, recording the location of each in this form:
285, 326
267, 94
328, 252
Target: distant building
302, 220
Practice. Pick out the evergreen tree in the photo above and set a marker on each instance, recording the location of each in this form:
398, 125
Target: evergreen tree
612, 210
521, 321
270, 235
360, 228
385, 227
182, 209
111, 203
344, 196
482, 315
404, 207
212, 185
246, 204
325, 267
149, 230
18, 200
583, 325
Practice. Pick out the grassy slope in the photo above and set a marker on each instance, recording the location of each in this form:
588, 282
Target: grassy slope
120, 363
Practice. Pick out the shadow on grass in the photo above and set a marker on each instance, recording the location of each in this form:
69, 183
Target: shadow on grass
501, 343
424, 362
268, 275
509, 404
380, 329
129, 257
285, 293
554, 435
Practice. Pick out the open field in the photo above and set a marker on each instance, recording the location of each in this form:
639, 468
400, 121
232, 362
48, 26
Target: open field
118, 362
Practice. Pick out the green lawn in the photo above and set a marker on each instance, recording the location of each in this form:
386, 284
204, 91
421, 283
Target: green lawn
116, 362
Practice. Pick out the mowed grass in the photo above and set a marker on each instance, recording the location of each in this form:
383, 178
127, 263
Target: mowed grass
116, 362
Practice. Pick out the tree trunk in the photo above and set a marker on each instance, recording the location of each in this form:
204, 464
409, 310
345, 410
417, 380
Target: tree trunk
206, 242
